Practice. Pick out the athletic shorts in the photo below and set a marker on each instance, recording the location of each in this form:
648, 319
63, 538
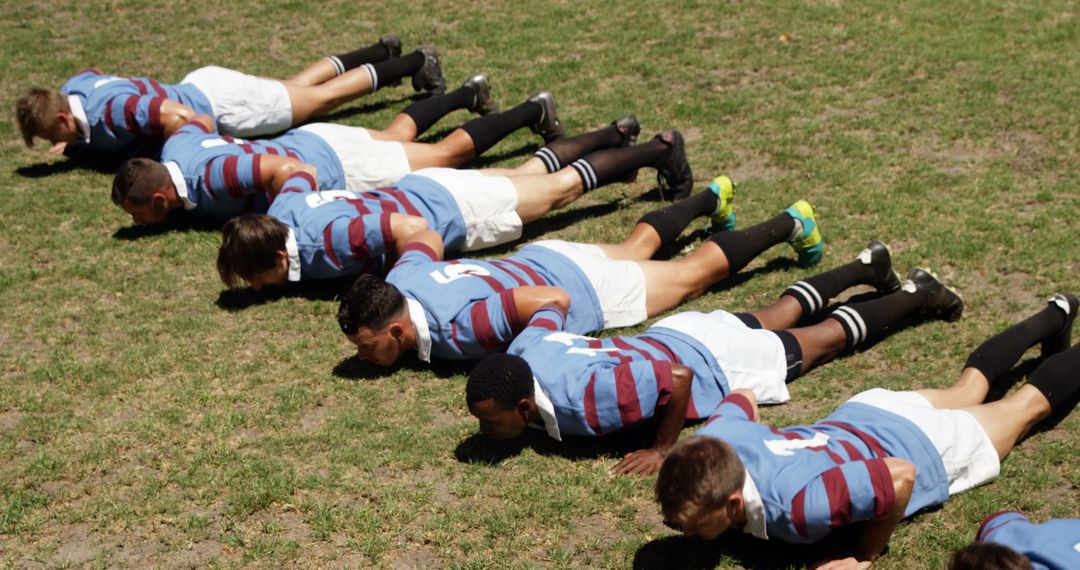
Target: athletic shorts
367, 163
619, 284
244, 105
967, 452
755, 359
488, 205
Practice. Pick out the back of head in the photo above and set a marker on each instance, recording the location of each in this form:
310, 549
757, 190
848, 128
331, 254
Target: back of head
370, 303
36, 110
505, 378
988, 556
700, 472
138, 179
249, 246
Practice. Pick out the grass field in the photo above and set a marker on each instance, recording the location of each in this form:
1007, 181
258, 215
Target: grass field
146, 419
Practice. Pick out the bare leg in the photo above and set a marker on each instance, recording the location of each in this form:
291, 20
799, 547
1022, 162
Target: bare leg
1007, 420
670, 283
316, 73
539, 194
312, 100
969, 390
642, 243
531, 166
401, 129
452, 151
782, 314
819, 343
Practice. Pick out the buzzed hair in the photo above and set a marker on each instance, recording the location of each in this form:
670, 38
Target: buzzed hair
249, 246
138, 179
36, 110
988, 555
504, 378
699, 472
370, 303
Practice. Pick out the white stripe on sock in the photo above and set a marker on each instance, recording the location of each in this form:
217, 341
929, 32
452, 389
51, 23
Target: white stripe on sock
338, 66
549, 158
374, 76
813, 296
588, 177
858, 320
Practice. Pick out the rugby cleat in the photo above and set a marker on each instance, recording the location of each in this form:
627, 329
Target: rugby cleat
723, 219
806, 240
429, 78
629, 129
1060, 341
877, 256
483, 104
673, 174
941, 302
392, 44
549, 126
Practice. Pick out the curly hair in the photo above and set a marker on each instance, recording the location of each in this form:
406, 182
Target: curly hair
369, 303
505, 378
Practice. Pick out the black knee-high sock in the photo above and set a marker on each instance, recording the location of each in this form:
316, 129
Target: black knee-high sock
670, 222
813, 293
390, 71
606, 166
864, 320
998, 354
1058, 378
373, 53
563, 151
742, 246
490, 129
427, 112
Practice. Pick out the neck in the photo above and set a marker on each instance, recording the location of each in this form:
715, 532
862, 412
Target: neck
172, 197
533, 415
408, 340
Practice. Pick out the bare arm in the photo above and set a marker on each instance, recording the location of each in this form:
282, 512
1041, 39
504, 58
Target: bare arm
277, 169
528, 300
672, 417
403, 227
174, 115
426, 237
749, 394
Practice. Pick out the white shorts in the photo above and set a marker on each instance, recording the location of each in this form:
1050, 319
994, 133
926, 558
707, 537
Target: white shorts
619, 284
750, 358
488, 204
967, 452
244, 105
367, 163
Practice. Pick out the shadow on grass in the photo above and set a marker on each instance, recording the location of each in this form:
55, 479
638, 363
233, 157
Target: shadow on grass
775, 264
487, 160
313, 290
694, 553
479, 449
353, 368
105, 163
368, 108
178, 221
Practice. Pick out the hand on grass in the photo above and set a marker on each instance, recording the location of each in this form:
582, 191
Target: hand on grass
848, 563
640, 462
57, 148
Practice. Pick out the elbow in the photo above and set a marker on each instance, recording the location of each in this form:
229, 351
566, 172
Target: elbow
412, 225
561, 299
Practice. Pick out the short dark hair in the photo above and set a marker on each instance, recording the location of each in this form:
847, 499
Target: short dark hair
138, 179
699, 472
988, 555
249, 246
505, 378
369, 303
36, 110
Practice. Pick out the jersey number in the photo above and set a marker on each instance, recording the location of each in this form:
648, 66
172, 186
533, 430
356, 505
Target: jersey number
452, 273
568, 340
787, 447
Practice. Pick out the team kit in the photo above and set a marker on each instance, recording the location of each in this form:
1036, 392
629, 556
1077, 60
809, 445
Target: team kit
399, 217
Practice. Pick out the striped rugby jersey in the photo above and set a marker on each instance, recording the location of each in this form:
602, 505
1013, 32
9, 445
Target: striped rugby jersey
1052, 545
122, 114
340, 233
468, 303
597, 386
815, 478
219, 175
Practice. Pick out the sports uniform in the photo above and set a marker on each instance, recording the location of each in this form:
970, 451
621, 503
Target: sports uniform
590, 386
804, 481
1053, 545
338, 232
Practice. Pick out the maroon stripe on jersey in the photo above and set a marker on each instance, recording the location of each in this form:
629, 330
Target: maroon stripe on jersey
495, 284
869, 440
743, 402
246, 147
91, 70
836, 490
157, 88
228, 139
256, 171
836, 458
661, 347
985, 528
360, 205
130, 108
271, 150
422, 248
798, 513
154, 112
851, 450
664, 382
594, 343
591, 417
529, 271
108, 117
498, 264
230, 177
546, 324
389, 245
881, 481
454, 337
784, 434
198, 125
305, 176
328, 244
623, 345
290, 153
626, 394
357, 241
481, 324
140, 86
206, 179
400, 197
510, 309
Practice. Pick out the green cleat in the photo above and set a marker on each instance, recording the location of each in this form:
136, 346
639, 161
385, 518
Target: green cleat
807, 243
724, 218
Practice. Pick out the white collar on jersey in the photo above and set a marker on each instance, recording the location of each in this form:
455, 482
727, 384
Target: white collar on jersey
755, 509
294, 256
180, 184
419, 323
77, 111
547, 411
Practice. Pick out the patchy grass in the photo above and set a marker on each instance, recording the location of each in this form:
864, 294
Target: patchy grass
143, 424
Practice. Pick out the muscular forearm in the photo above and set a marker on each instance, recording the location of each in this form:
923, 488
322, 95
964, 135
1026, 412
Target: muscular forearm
174, 115
672, 415
875, 535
